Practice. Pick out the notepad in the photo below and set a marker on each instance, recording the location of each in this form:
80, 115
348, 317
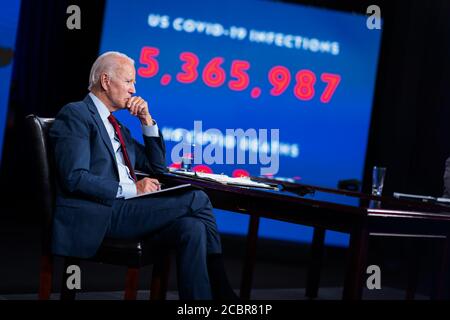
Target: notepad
149, 194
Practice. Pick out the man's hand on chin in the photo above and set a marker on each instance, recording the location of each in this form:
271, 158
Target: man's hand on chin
138, 107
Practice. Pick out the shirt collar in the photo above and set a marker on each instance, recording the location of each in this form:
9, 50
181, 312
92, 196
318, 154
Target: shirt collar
101, 108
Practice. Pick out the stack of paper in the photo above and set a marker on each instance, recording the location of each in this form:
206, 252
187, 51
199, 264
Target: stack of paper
224, 179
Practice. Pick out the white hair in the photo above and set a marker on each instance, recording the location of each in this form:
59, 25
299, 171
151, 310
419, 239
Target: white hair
105, 63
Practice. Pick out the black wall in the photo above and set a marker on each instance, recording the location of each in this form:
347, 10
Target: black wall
409, 131
51, 68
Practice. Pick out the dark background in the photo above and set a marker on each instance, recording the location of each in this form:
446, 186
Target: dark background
409, 132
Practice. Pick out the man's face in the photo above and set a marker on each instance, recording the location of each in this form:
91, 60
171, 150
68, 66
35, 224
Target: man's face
121, 85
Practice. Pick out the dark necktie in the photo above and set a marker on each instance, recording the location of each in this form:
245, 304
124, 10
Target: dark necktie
116, 126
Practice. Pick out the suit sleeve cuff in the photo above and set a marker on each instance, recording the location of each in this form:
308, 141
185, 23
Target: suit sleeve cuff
126, 190
151, 131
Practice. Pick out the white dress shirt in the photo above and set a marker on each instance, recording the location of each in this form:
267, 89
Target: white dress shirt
127, 186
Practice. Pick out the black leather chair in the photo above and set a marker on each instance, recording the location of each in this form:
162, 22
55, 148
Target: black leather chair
133, 254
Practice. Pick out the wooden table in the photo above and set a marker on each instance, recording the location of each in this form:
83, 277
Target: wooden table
354, 213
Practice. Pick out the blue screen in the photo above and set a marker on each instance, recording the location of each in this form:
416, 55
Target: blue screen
253, 65
9, 17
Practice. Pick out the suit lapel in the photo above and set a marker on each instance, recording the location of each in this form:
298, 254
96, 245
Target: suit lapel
101, 127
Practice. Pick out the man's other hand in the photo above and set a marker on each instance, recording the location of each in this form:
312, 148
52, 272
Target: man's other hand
147, 185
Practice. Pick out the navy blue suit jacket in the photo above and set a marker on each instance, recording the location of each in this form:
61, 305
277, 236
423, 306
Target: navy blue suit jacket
88, 178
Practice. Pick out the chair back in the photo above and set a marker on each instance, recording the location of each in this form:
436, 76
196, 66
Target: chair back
43, 171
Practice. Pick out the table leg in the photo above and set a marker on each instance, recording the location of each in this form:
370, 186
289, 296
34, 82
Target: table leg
315, 264
249, 260
438, 291
357, 261
415, 247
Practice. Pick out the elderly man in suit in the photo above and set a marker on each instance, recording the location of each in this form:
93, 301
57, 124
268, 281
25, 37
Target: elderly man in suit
96, 157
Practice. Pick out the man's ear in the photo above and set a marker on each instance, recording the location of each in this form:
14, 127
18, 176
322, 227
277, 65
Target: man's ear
105, 81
